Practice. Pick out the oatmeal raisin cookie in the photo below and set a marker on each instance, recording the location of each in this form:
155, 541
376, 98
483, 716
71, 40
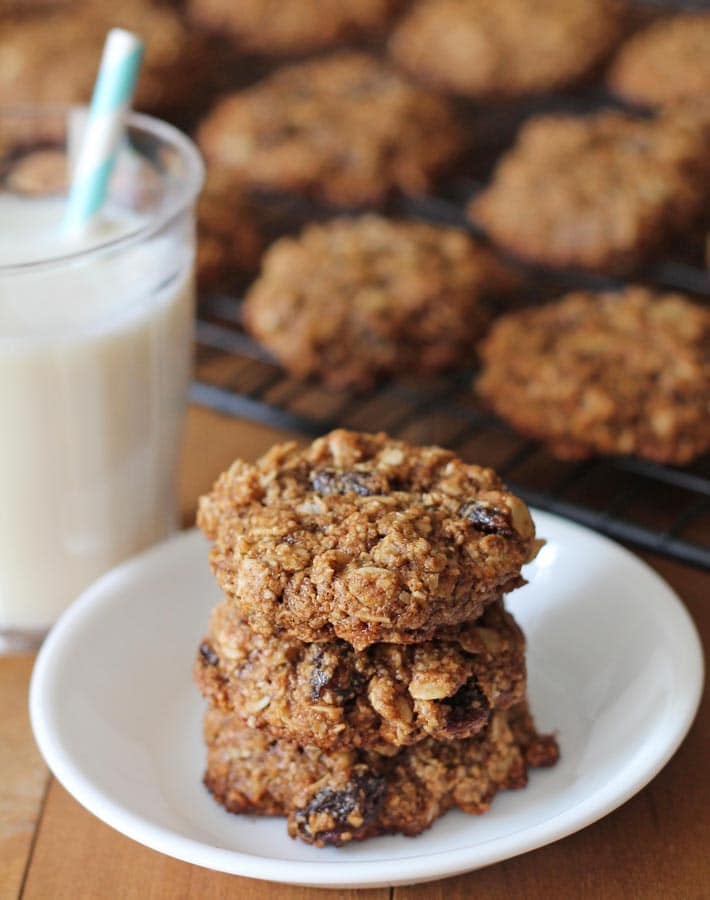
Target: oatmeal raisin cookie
346, 128
507, 48
387, 696
667, 62
623, 372
282, 27
53, 56
352, 299
333, 798
364, 538
602, 192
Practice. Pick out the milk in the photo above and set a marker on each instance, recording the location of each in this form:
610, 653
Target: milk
94, 367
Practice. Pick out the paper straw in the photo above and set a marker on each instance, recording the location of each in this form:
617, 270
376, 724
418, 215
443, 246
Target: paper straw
110, 102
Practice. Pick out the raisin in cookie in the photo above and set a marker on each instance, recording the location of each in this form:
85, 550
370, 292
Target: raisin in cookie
280, 27
346, 128
387, 696
353, 299
667, 62
625, 372
602, 192
506, 49
53, 57
364, 538
333, 798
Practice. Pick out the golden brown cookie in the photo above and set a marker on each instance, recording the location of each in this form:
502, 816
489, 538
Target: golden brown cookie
229, 240
334, 798
625, 372
602, 192
387, 696
667, 62
506, 48
282, 27
53, 57
352, 299
346, 128
364, 538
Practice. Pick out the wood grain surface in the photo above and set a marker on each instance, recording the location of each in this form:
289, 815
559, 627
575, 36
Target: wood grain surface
655, 846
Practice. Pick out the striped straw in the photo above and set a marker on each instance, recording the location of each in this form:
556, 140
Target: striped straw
111, 101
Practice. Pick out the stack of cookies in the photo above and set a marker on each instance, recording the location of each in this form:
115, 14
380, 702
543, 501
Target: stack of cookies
362, 673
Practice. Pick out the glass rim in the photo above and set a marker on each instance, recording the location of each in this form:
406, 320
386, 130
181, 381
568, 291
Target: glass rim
166, 133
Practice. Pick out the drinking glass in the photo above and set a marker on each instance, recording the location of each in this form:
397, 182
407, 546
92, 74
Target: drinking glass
95, 359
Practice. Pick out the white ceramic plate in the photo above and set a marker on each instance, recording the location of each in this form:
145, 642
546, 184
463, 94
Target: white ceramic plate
615, 667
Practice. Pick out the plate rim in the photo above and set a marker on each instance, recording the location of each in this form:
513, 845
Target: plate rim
358, 873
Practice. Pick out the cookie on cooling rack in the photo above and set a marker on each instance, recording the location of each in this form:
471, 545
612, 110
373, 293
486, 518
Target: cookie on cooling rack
334, 798
53, 56
507, 48
282, 27
345, 128
667, 62
602, 192
387, 696
624, 372
364, 538
229, 238
352, 299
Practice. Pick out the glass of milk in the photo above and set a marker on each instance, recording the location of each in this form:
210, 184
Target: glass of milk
95, 358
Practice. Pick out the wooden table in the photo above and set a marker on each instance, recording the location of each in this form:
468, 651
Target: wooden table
656, 845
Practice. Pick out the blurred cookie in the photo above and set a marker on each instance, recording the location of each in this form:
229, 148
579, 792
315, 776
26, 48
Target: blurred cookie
346, 128
601, 192
53, 57
387, 696
229, 242
667, 62
334, 798
364, 538
282, 27
618, 373
352, 299
38, 172
507, 48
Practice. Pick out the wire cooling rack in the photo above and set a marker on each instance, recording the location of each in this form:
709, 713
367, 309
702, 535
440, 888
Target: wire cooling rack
659, 508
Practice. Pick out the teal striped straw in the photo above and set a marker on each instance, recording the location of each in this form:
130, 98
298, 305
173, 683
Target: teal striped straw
111, 100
